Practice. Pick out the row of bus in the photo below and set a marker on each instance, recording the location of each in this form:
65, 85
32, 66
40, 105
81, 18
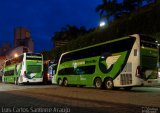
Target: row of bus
125, 62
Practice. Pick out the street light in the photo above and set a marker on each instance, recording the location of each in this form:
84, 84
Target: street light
102, 23
15, 55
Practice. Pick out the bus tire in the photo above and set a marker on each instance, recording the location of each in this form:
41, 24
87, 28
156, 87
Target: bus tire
109, 84
60, 83
65, 82
128, 88
98, 83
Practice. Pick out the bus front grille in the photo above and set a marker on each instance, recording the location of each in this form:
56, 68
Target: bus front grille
126, 79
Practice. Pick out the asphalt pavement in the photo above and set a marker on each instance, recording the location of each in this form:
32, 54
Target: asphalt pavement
55, 99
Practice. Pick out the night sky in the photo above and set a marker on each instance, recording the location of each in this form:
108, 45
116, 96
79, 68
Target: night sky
44, 17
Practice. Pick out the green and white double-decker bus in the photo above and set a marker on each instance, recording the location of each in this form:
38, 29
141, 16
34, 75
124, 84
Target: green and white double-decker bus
26, 68
124, 62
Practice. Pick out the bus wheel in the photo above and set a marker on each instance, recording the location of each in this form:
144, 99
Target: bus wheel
109, 84
98, 83
128, 88
65, 82
59, 82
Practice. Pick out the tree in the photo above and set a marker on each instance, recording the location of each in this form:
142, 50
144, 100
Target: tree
109, 9
131, 5
68, 33
150, 1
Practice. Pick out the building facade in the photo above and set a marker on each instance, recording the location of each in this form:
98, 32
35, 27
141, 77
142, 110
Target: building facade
4, 49
22, 43
2, 61
22, 37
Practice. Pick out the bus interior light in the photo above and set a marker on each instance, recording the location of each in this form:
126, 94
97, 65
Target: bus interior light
102, 57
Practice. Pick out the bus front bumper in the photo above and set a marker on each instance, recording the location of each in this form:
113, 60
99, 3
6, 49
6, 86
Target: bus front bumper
153, 82
33, 80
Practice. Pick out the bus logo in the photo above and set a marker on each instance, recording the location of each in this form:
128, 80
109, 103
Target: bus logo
111, 60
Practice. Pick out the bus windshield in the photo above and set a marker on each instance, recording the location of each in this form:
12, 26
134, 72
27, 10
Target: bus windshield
33, 58
149, 57
33, 54
147, 41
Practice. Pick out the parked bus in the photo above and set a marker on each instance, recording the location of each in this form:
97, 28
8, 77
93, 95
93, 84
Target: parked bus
49, 72
124, 62
26, 68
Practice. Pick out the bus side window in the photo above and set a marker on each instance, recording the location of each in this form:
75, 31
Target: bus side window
79, 71
135, 52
